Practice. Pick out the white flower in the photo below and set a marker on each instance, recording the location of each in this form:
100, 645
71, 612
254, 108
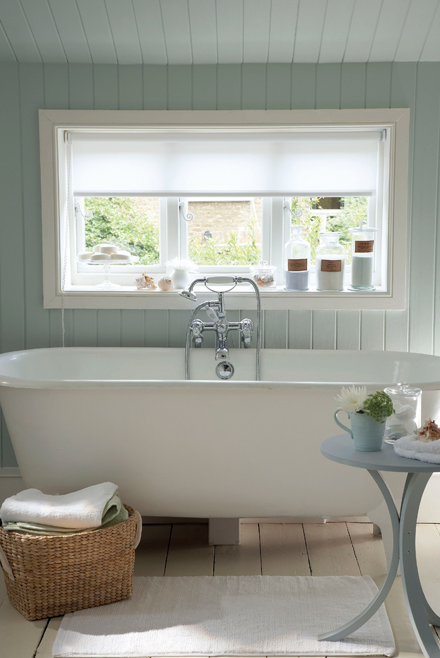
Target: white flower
353, 398
181, 264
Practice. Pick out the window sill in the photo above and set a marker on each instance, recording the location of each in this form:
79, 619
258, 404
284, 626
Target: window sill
87, 297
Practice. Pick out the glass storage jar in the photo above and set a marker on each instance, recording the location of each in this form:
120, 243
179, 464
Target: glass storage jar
330, 262
362, 257
264, 275
296, 261
407, 411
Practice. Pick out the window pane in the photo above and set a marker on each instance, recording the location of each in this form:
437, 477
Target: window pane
225, 232
331, 214
130, 223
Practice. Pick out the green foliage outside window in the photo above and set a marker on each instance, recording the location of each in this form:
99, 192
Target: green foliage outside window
354, 210
211, 252
125, 222
132, 224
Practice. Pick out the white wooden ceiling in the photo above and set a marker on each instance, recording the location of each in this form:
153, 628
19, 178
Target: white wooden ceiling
218, 31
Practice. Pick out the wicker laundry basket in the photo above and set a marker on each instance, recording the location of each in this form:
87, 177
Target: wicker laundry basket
54, 575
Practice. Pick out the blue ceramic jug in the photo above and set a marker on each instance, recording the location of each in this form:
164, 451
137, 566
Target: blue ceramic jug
366, 432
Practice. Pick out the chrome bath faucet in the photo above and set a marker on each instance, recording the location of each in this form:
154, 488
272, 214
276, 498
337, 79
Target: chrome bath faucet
219, 323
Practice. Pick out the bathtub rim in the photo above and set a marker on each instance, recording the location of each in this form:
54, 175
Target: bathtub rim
7, 381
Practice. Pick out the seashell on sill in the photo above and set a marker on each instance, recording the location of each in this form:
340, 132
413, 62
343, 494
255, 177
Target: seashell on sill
165, 283
429, 432
145, 282
264, 280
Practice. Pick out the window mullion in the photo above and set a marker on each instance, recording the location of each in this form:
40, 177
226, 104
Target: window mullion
172, 248
183, 227
278, 235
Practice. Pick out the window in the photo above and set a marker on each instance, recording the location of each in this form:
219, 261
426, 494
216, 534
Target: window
222, 189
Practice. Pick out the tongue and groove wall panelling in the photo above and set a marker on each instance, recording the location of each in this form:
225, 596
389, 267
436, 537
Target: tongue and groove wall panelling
228, 87
377, 94
437, 269
130, 88
25, 88
131, 97
69, 27
155, 92
254, 97
279, 86
42, 24
302, 97
424, 203
106, 96
204, 87
56, 97
403, 94
81, 95
155, 84
352, 95
6, 52
328, 87
12, 273
180, 87
31, 99
180, 97
276, 329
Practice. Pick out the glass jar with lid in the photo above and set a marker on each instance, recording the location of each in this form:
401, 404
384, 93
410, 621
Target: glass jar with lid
407, 411
264, 275
330, 262
362, 257
296, 261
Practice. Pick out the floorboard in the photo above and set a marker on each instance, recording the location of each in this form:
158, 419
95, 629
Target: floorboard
151, 554
283, 550
189, 553
269, 548
242, 560
372, 562
330, 550
19, 637
46, 644
3, 594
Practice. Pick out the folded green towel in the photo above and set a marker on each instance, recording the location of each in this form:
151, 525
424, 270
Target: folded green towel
114, 512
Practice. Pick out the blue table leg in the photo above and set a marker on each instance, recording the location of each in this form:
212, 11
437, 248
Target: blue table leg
420, 612
380, 597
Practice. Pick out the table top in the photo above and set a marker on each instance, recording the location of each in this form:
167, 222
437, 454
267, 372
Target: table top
341, 449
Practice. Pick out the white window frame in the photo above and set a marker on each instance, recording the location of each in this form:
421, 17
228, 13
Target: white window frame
55, 123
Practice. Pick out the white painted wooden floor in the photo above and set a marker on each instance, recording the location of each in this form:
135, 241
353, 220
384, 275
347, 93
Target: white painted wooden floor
330, 549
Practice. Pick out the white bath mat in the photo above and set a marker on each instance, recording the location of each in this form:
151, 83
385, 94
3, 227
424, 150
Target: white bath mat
227, 616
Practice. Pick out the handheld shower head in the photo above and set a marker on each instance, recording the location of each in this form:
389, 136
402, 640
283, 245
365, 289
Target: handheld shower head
188, 294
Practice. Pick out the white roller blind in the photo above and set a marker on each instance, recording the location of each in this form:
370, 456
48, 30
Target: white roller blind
222, 162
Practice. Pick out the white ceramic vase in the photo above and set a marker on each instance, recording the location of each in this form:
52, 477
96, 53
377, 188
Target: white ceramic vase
180, 279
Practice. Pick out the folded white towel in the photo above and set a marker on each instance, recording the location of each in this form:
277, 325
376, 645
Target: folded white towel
80, 509
410, 447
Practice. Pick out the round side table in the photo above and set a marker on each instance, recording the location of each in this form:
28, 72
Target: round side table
341, 449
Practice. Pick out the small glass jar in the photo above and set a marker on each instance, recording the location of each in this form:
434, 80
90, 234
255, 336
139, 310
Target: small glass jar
330, 262
407, 411
362, 257
296, 261
264, 275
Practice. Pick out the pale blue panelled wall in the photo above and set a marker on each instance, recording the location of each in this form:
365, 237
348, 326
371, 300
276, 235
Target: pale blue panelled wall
26, 88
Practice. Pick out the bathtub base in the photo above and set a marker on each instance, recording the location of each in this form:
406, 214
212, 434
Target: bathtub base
224, 532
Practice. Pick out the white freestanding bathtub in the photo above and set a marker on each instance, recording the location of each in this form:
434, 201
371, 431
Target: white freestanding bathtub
201, 448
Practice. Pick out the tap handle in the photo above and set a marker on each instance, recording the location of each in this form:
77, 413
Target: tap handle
247, 326
197, 328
